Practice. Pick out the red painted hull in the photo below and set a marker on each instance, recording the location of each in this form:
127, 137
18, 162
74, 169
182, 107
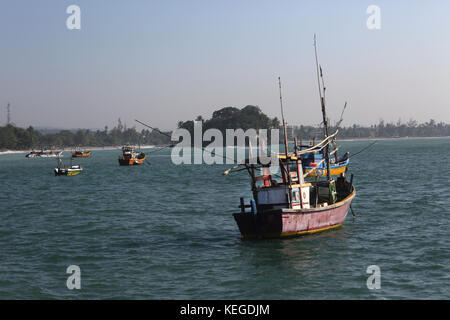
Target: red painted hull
131, 161
80, 154
293, 222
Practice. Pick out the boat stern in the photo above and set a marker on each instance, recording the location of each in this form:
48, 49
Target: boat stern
253, 226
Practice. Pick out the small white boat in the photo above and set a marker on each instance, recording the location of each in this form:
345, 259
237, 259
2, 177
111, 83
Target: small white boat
44, 154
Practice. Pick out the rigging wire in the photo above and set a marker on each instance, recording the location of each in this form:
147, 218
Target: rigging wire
203, 148
363, 149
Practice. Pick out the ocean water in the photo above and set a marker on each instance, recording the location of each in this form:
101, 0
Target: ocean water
162, 231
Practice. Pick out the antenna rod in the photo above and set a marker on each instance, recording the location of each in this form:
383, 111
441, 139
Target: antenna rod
317, 68
281, 100
342, 116
285, 134
324, 115
282, 118
8, 119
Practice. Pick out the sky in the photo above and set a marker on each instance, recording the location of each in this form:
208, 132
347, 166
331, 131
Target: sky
166, 61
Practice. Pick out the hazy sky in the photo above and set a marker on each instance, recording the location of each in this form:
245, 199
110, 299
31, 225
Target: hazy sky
164, 61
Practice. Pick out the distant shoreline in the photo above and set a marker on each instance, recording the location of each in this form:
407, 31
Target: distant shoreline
390, 138
381, 138
155, 146
71, 149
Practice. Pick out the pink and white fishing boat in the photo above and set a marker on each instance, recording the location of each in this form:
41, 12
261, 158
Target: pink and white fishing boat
296, 204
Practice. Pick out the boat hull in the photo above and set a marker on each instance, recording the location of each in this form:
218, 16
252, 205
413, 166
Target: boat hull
335, 170
44, 155
281, 223
131, 162
67, 172
81, 155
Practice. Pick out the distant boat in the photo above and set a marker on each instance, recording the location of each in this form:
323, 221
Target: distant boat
33, 154
130, 157
314, 166
44, 154
80, 153
72, 170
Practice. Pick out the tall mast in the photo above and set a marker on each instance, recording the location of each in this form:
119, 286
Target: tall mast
285, 145
284, 122
8, 119
282, 118
285, 138
324, 114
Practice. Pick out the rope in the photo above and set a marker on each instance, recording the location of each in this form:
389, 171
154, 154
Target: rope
363, 149
203, 148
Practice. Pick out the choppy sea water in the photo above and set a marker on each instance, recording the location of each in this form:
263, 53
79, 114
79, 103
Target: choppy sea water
162, 231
